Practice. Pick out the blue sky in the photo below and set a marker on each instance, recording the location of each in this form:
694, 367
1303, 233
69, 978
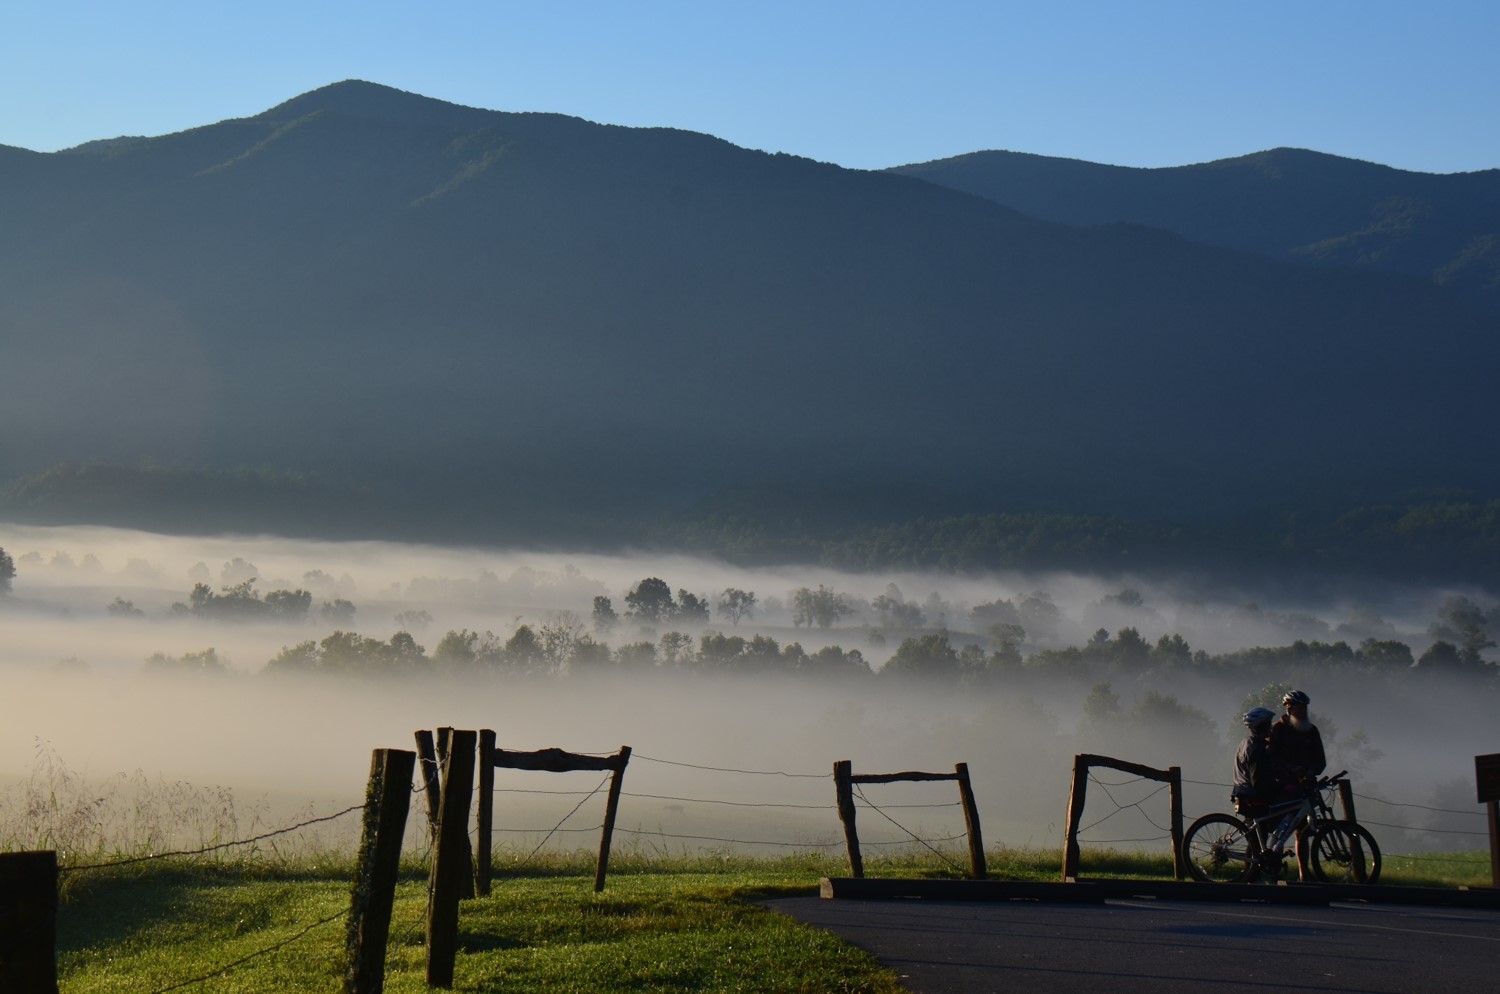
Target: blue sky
865, 85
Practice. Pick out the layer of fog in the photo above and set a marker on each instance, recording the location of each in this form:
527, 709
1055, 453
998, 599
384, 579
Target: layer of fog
74, 688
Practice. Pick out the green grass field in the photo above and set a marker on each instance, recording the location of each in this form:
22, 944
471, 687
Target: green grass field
686, 923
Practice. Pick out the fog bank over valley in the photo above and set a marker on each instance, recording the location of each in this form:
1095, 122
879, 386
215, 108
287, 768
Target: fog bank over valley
273, 668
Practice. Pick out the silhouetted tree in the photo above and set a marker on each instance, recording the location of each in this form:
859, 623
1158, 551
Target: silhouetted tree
651, 600
928, 657
821, 607
7, 572
337, 612
605, 618
735, 604
121, 608
691, 607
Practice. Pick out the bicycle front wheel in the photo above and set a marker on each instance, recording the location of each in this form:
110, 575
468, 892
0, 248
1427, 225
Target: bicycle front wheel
1221, 849
1344, 853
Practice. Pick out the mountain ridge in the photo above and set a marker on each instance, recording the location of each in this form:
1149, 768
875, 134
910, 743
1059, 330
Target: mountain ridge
1294, 205
475, 313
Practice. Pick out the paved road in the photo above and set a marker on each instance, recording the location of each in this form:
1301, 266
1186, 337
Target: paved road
941, 947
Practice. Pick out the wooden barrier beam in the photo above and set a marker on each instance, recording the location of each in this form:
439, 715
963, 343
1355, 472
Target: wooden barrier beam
898, 777
555, 761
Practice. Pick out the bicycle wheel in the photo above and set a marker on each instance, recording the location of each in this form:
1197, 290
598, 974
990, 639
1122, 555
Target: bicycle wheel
1221, 849
1344, 853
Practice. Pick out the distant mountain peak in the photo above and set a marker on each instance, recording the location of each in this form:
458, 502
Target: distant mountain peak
360, 98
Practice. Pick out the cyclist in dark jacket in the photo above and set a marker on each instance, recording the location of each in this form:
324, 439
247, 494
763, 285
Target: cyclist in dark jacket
1296, 745
1297, 755
1254, 774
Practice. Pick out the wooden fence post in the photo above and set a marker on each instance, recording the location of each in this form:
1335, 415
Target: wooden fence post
1179, 870
28, 922
387, 800
451, 862
1346, 799
611, 808
444, 743
1494, 819
843, 788
971, 821
486, 818
431, 778
1356, 848
1075, 814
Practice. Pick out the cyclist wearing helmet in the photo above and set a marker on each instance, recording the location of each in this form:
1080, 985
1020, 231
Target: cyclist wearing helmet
1296, 745
1297, 753
1254, 778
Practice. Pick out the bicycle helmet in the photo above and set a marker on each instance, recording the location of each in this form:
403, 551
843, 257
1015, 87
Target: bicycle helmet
1295, 697
1259, 719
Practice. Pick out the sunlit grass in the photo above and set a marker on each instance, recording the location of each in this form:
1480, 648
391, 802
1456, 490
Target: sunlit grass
677, 923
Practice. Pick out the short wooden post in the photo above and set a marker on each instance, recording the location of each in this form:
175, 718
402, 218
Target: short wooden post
28, 922
843, 787
485, 826
1356, 848
431, 777
1179, 869
1346, 799
1494, 842
1076, 798
387, 800
971, 821
451, 862
444, 743
611, 808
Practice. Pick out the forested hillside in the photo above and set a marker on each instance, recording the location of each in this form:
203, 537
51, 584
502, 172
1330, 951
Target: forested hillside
461, 324
1287, 203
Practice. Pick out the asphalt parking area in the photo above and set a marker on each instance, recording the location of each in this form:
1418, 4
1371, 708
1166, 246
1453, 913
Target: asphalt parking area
1127, 945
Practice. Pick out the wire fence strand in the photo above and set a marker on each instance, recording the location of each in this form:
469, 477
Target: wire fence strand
235, 964
208, 849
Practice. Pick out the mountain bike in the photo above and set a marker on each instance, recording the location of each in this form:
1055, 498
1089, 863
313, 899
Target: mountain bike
1224, 848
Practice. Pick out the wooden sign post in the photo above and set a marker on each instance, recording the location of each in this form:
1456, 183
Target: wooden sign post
1487, 780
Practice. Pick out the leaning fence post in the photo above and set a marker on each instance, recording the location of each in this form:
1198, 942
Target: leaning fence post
451, 861
611, 808
1075, 814
843, 788
28, 922
387, 800
431, 773
971, 820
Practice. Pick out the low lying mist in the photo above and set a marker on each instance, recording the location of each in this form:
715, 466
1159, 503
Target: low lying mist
213, 662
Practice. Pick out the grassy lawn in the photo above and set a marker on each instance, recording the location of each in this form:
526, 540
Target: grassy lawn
662, 924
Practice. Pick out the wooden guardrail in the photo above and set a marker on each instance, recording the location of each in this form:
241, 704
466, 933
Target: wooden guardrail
1079, 794
844, 779
546, 761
